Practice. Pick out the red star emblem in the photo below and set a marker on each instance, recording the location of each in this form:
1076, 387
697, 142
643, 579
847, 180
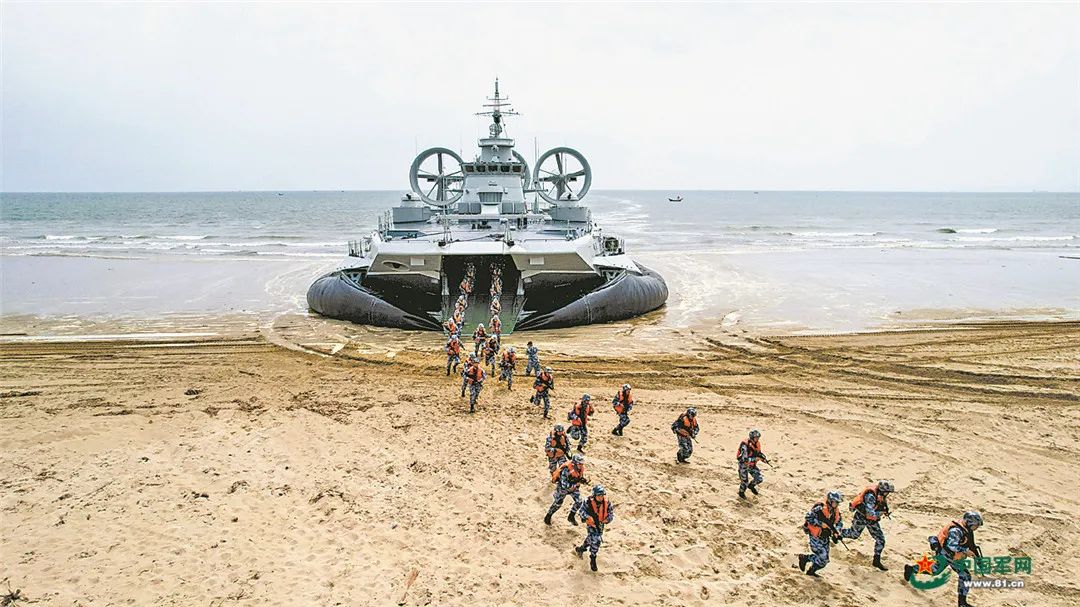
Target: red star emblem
926, 565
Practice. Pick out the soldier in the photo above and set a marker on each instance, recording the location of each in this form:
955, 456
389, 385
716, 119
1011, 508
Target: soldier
822, 524
543, 385
491, 352
533, 354
623, 403
686, 429
597, 512
748, 455
451, 326
579, 417
474, 376
952, 545
868, 507
495, 324
556, 447
479, 337
462, 302
567, 478
496, 306
465, 372
453, 354
506, 367
466, 286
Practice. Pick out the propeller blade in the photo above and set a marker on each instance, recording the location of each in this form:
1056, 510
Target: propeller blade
558, 161
576, 174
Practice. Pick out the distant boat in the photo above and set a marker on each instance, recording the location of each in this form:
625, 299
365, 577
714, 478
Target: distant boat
675, 199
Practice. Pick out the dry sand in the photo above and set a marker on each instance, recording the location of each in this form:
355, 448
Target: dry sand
234, 471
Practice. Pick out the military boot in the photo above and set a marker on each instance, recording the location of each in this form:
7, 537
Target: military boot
742, 493
909, 572
812, 571
547, 519
572, 518
803, 558
580, 550
877, 563
752, 488
592, 563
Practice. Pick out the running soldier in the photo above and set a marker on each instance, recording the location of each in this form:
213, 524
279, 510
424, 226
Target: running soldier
469, 363
475, 378
496, 325
748, 455
491, 352
556, 447
597, 512
543, 385
453, 354
623, 403
579, 417
506, 367
868, 507
822, 525
532, 365
686, 429
952, 546
479, 338
567, 478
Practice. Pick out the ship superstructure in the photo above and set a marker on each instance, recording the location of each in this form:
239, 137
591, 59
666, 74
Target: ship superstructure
466, 242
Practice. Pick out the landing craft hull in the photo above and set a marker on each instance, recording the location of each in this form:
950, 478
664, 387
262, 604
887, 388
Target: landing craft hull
624, 297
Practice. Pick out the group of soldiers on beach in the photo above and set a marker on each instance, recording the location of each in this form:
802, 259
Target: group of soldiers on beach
822, 523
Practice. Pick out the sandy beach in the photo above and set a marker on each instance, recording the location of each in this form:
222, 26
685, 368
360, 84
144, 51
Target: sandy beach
255, 468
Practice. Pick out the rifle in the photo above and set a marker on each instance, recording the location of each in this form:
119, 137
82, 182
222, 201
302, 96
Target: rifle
836, 534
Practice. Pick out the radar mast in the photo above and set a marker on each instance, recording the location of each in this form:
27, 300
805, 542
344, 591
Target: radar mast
496, 112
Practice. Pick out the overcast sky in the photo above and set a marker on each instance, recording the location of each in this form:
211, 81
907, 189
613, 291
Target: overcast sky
214, 96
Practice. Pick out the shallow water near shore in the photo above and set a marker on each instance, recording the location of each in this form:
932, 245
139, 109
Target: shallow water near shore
760, 263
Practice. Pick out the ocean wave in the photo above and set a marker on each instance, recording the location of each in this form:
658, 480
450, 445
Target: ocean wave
1016, 238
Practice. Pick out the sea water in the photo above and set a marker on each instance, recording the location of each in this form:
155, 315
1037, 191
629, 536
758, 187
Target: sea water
784, 260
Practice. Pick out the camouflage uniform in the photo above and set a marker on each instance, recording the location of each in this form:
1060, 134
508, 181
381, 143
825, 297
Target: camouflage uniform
869, 521
565, 486
748, 468
549, 444
954, 543
819, 546
473, 377
464, 377
543, 394
595, 533
686, 443
581, 412
624, 417
452, 359
506, 372
532, 366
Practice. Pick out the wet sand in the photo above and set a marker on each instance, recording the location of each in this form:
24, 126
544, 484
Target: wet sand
321, 463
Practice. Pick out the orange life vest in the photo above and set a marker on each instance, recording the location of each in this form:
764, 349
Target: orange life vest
831, 514
496, 324
753, 449
451, 326
689, 424
543, 381
453, 347
582, 410
576, 472
479, 334
509, 358
966, 538
857, 503
491, 346
560, 445
599, 505
475, 374
621, 400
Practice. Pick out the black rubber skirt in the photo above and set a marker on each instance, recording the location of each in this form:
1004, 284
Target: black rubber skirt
334, 296
627, 296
